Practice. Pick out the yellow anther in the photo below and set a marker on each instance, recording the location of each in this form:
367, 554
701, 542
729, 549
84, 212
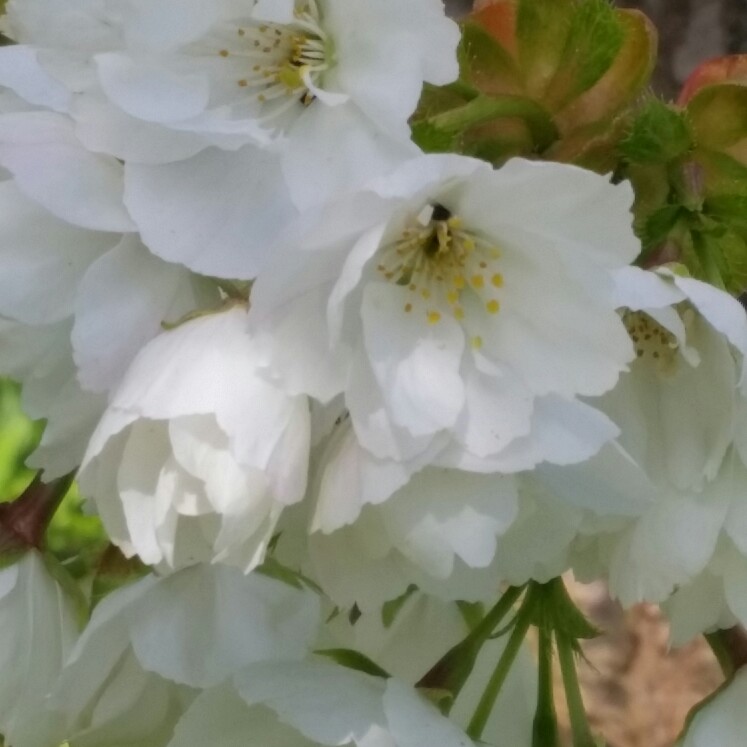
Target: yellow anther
497, 280
493, 306
434, 317
455, 223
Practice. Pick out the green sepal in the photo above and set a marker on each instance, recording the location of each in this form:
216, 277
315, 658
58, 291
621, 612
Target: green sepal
484, 63
472, 613
595, 37
442, 699
430, 139
273, 568
347, 657
391, 609
657, 226
719, 116
659, 134
115, 571
554, 610
542, 28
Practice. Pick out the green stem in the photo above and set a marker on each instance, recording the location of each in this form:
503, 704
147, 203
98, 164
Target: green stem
490, 622
487, 108
489, 697
582, 736
545, 729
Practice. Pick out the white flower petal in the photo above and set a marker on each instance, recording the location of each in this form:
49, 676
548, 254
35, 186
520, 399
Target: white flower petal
55, 170
722, 721
334, 149
130, 290
326, 703
218, 213
43, 259
207, 622
417, 367
222, 718
148, 90
416, 723
20, 71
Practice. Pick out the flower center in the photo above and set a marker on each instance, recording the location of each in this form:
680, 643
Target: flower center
653, 342
285, 62
444, 268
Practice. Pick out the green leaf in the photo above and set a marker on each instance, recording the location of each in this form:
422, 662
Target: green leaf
351, 659
659, 134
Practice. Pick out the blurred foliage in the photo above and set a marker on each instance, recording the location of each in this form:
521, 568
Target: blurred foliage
74, 538
18, 436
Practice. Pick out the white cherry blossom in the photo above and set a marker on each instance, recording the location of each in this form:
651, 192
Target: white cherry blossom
151, 646
197, 456
678, 469
461, 311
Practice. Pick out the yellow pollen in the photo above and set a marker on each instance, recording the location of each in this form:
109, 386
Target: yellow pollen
455, 223
452, 297
223, 53
493, 306
497, 280
459, 282
408, 307
459, 313
476, 342
243, 83
478, 281
469, 245
434, 317
425, 293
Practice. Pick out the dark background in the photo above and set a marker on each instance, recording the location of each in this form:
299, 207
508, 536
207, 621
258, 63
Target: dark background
690, 31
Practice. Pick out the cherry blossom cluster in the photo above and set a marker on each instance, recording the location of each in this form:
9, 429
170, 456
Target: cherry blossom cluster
332, 390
